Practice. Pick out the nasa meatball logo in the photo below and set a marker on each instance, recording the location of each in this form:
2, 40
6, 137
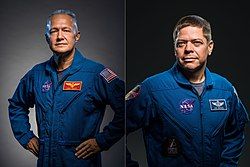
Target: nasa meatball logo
187, 106
46, 86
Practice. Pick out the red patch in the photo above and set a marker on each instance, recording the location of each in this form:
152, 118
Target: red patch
72, 85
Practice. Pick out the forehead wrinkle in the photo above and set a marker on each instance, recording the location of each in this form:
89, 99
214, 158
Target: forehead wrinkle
59, 21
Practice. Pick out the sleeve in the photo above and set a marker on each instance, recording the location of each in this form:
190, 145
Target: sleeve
112, 90
139, 113
139, 108
19, 105
234, 138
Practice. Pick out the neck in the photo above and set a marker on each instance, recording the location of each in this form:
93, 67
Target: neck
195, 76
64, 60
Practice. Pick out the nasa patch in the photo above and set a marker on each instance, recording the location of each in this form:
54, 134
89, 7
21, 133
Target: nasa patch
46, 86
218, 104
187, 106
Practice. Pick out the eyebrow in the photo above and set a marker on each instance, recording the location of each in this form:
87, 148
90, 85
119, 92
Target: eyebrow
61, 28
196, 39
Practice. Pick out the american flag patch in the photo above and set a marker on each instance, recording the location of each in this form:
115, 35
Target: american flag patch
108, 75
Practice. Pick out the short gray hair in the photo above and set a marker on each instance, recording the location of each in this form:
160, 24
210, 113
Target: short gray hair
61, 11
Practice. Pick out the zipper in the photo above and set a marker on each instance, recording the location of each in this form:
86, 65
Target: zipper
62, 80
201, 122
54, 81
57, 84
51, 132
202, 133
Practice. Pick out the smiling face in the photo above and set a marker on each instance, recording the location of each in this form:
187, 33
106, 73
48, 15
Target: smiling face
192, 48
62, 36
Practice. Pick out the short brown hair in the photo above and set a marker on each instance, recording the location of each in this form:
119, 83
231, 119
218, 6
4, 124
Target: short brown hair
195, 21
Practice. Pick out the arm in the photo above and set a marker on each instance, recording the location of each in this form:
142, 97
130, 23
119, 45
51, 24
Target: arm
139, 109
19, 105
111, 91
234, 139
139, 113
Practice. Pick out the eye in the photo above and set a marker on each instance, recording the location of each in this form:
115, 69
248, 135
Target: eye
180, 44
67, 30
197, 43
53, 31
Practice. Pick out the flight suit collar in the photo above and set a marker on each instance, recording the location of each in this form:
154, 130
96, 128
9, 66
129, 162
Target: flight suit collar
181, 79
74, 67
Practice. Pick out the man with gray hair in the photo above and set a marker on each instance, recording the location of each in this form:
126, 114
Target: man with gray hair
70, 94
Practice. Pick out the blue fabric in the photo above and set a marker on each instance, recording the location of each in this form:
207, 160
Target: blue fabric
67, 118
209, 128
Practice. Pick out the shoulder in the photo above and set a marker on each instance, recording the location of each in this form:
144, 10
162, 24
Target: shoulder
40, 66
160, 81
92, 66
34, 70
100, 70
220, 82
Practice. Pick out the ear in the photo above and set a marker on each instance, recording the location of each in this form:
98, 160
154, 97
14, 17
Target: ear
77, 36
210, 47
175, 49
47, 38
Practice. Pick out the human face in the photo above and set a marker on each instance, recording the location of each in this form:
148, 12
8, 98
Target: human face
62, 34
192, 49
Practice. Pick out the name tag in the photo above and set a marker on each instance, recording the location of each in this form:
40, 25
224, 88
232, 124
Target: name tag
218, 104
72, 85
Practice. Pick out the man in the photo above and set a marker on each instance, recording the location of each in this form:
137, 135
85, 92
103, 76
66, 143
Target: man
189, 115
70, 93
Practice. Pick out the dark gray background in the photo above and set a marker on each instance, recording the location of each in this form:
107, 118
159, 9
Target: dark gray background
22, 45
150, 48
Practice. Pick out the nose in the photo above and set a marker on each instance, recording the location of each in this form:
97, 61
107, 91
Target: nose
189, 47
59, 35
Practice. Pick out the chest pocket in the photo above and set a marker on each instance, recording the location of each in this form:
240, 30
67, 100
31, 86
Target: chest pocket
172, 127
91, 103
87, 101
70, 101
216, 117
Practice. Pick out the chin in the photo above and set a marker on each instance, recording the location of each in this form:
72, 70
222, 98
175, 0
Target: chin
192, 68
61, 51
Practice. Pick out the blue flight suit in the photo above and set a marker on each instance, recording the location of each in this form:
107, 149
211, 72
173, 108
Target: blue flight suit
68, 111
183, 129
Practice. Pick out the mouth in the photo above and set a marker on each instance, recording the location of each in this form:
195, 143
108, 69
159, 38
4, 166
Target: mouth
60, 44
189, 59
